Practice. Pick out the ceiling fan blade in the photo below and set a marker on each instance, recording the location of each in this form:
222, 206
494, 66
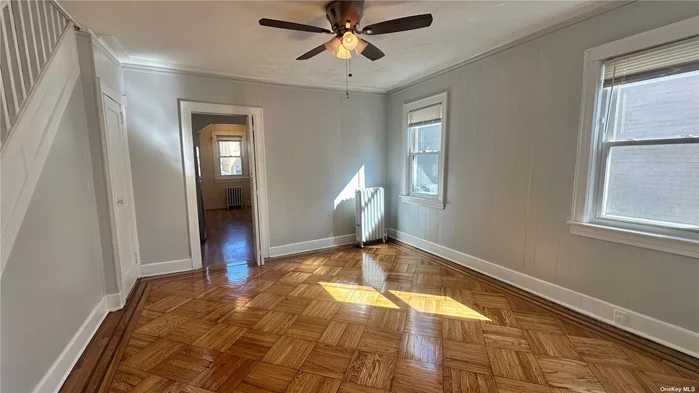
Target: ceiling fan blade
280, 24
400, 24
370, 51
313, 52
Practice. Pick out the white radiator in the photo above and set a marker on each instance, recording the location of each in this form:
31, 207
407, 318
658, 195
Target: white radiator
234, 196
370, 215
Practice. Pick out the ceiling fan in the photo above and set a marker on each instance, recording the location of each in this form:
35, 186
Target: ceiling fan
344, 17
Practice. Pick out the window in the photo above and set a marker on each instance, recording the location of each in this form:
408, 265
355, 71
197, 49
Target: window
642, 177
229, 156
424, 125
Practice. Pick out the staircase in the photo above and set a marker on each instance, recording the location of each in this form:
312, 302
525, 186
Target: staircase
38, 72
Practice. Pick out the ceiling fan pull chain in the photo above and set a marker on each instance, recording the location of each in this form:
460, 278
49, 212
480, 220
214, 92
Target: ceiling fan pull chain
347, 74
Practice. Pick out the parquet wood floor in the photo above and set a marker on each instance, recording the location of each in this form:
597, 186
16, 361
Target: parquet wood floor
376, 320
229, 237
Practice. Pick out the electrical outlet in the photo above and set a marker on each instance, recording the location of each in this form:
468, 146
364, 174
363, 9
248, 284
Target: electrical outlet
619, 317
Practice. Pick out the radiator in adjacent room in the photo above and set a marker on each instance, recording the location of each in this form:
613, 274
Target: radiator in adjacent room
234, 196
370, 215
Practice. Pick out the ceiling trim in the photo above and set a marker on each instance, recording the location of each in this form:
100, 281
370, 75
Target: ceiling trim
565, 19
561, 21
208, 74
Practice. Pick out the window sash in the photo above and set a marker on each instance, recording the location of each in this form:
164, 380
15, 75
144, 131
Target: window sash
412, 162
231, 155
413, 132
599, 197
219, 139
413, 153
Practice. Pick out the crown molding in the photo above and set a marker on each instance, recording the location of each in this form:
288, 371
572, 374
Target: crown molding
591, 8
177, 69
558, 22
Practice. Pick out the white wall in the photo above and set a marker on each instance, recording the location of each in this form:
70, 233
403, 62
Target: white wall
53, 278
511, 149
316, 142
95, 63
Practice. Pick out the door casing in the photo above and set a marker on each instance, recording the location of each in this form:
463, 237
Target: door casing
258, 183
125, 278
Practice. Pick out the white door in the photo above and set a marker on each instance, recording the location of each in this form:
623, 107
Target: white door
253, 190
121, 194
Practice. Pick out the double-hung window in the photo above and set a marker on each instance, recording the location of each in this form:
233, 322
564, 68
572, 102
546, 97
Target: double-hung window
228, 150
424, 127
642, 183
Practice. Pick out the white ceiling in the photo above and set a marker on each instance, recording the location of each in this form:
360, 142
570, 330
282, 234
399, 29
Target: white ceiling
223, 37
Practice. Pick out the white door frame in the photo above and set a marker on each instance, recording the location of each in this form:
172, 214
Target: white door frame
187, 108
124, 281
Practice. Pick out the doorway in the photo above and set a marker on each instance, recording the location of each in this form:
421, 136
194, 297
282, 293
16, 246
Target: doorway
119, 190
225, 181
224, 197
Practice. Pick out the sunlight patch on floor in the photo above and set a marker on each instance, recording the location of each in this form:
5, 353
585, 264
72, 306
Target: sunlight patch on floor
441, 305
357, 294
432, 304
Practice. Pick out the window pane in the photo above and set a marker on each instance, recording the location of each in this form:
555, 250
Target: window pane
425, 173
229, 148
428, 138
231, 166
664, 107
658, 183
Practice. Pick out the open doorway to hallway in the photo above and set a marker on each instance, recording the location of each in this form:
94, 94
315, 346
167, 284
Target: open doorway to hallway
224, 200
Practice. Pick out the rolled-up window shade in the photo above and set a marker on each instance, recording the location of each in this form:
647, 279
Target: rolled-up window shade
425, 116
674, 58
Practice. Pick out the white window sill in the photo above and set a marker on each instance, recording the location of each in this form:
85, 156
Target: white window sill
241, 179
653, 241
429, 202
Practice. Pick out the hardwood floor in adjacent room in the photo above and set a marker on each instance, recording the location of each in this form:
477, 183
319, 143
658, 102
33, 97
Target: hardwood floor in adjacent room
380, 319
229, 237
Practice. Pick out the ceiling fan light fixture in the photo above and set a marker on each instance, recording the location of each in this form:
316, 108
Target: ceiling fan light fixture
349, 40
343, 53
335, 47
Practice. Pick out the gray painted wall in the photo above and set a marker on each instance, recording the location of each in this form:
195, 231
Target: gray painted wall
94, 63
316, 141
511, 149
53, 279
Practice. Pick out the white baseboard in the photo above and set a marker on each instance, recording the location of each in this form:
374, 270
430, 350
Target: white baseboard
311, 245
129, 281
113, 302
57, 374
661, 332
156, 269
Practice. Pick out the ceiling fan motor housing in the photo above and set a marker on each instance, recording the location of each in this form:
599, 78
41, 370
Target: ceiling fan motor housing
341, 12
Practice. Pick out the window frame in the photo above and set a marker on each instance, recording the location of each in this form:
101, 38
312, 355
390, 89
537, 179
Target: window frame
223, 136
593, 152
407, 195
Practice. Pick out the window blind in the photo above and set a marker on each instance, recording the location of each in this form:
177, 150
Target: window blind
674, 58
425, 116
